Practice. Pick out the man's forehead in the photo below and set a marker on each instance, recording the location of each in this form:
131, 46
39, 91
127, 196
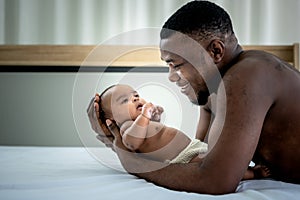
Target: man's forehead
176, 39
180, 46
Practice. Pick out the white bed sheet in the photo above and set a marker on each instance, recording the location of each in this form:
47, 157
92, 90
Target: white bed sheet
72, 173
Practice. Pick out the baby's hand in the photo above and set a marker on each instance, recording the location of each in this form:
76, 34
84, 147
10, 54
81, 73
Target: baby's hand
147, 110
156, 114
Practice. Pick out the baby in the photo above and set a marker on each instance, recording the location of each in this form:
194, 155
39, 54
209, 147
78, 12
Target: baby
142, 132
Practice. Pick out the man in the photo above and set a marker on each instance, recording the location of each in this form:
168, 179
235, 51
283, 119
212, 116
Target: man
248, 106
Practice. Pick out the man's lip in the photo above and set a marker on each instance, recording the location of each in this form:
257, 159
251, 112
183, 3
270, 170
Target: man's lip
185, 88
182, 84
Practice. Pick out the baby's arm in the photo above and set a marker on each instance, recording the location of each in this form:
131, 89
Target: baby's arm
134, 132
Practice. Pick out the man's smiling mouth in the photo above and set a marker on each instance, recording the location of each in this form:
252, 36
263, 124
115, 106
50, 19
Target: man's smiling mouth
185, 88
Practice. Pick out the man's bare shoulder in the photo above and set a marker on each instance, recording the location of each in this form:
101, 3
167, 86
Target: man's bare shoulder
259, 66
249, 65
255, 60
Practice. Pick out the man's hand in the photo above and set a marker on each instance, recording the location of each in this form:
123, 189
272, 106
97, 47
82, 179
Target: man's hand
103, 134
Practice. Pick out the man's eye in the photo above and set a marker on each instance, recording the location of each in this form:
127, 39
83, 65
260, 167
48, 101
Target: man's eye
177, 67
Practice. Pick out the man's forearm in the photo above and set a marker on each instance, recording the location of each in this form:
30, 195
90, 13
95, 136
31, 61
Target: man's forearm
181, 177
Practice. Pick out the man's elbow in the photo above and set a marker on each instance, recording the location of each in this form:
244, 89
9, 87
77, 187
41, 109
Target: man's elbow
221, 186
214, 190
212, 184
222, 190
218, 187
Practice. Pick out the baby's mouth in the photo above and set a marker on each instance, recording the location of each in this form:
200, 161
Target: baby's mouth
139, 107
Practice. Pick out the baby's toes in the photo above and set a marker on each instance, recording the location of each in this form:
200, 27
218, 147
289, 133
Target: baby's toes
267, 171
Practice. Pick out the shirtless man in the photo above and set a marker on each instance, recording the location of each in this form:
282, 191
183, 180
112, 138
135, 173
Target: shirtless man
255, 115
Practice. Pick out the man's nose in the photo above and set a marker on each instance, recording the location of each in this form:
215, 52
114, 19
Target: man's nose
173, 76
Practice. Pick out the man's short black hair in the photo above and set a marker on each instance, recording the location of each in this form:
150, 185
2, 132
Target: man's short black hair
200, 20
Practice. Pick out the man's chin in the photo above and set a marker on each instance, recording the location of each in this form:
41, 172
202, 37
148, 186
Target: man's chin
193, 101
200, 99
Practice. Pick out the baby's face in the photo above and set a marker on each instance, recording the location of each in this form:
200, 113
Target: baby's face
125, 103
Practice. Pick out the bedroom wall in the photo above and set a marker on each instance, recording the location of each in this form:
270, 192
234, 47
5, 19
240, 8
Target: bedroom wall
49, 109
36, 109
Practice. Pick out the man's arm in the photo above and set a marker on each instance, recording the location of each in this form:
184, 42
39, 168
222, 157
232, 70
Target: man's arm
233, 138
203, 124
207, 114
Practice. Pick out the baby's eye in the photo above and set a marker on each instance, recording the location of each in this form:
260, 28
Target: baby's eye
136, 95
124, 101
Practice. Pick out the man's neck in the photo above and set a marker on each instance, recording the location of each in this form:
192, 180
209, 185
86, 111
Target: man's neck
231, 57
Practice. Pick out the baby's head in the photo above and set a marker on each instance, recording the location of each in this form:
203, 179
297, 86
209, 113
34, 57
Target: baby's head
120, 103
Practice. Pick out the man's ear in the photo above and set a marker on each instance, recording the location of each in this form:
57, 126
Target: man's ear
216, 50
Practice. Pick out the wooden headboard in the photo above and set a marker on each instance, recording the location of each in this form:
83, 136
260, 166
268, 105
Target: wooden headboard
24, 57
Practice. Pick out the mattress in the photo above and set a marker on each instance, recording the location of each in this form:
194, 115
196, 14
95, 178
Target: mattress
76, 173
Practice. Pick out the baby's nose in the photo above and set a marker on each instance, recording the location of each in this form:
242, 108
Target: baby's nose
135, 98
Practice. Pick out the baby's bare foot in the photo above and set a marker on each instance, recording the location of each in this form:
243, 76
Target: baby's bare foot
261, 171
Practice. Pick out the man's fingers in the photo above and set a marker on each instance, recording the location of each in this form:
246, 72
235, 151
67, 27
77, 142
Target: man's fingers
96, 107
96, 124
93, 115
93, 101
113, 128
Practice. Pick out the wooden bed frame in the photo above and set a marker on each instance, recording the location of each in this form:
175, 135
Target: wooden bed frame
71, 57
